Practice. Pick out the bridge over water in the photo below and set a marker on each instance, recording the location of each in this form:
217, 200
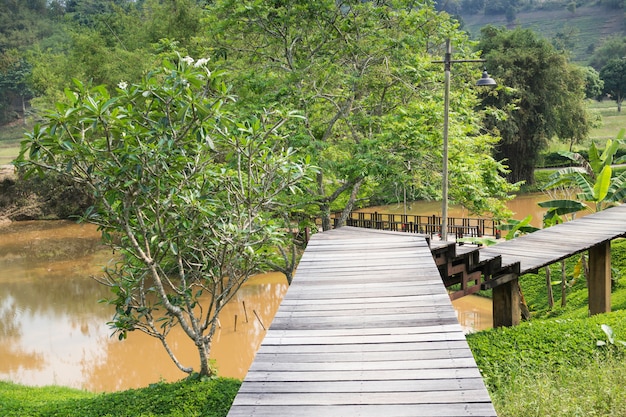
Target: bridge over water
367, 327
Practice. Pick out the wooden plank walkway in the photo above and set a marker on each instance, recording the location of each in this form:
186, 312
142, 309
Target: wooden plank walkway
550, 245
366, 329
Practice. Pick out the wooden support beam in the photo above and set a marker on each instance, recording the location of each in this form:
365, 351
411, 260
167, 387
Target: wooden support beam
507, 303
600, 278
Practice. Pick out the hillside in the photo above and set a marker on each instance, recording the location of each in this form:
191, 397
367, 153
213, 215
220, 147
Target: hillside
580, 31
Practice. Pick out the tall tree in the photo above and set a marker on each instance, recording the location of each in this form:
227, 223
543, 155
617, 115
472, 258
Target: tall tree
187, 196
362, 75
542, 95
613, 74
611, 48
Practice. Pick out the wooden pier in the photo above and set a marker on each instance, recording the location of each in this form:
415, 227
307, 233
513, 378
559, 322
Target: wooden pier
366, 329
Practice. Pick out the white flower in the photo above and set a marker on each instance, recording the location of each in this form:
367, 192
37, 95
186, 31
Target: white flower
122, 85
201, 62
188, 60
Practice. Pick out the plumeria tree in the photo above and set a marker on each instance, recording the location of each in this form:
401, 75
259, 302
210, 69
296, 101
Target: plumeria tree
190, 197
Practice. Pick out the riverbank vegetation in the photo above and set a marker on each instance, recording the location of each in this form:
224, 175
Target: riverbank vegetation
187, 398
551, 365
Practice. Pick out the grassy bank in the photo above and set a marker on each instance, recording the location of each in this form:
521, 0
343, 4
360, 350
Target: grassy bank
180, 399
551, 365
554, 368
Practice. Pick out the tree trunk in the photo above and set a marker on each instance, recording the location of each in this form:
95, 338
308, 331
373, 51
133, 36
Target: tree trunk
563, 285
350, 204
549, 288
325, 214
585, 268
203, 351
23, 111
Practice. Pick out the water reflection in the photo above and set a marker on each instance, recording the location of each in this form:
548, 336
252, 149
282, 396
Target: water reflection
53, 330
474, 313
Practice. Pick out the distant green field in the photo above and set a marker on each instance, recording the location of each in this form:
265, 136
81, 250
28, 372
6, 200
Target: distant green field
10, 138
612, 121
583, 30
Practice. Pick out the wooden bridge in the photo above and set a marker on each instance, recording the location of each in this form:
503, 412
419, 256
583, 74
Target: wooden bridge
367, 327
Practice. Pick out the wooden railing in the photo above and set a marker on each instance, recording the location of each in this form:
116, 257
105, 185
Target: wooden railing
431, 225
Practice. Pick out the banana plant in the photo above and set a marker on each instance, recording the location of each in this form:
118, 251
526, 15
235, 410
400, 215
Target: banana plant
594, 177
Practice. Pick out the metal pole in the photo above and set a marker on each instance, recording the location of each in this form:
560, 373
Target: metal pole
446, 108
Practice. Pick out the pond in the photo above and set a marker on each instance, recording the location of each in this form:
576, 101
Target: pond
53, 329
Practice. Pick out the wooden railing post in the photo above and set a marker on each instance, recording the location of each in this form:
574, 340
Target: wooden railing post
600, 278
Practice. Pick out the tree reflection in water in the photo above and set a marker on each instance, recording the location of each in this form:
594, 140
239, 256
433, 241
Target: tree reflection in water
53, 330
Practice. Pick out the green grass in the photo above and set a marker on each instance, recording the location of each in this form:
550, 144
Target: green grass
10, 138
554, 367
612, 122
180, 399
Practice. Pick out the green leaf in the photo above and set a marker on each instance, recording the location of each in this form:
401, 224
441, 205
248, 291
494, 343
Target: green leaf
601, 186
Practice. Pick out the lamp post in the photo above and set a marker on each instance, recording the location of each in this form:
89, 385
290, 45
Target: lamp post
484, 81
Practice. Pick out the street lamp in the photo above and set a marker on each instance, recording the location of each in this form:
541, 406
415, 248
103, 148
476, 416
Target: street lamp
484, 81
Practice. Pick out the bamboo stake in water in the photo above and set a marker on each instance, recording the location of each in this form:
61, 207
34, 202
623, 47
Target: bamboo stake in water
259, 319
244, 310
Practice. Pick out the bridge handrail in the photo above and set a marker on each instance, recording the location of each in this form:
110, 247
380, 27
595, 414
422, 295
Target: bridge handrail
412, 223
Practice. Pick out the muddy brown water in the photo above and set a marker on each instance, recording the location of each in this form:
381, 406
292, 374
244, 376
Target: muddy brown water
53, 329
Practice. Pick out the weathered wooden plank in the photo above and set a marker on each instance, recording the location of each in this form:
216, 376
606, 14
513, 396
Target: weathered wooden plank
358, 311
391, 348
376, 375
330, 366
370, 410
417, 299
402, 330
406, 385
360, 339
360, 356
365, 398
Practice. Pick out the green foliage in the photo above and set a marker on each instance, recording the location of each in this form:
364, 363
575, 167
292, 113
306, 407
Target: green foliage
191, 197
594, 178
362, 75
614, 76
611, 48
181, 399
518, 227
541, 93
594, 85
559, 208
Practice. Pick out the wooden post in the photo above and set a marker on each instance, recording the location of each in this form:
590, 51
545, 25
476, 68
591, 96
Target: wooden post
600, 278
506, 304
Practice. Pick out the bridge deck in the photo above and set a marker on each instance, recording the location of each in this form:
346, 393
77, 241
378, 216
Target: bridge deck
365, 329
550, 245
